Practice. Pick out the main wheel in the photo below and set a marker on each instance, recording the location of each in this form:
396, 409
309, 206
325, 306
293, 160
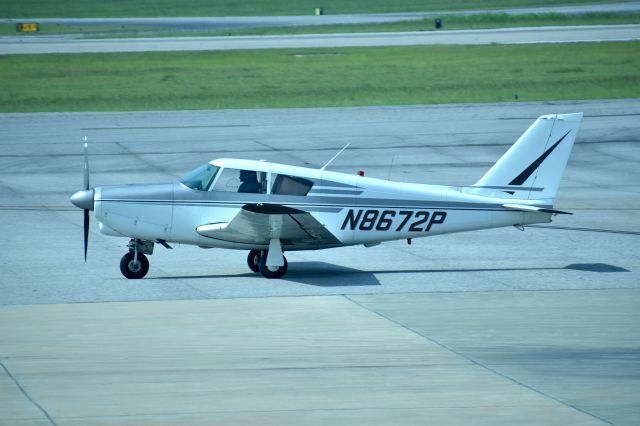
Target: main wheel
268, 273
253, 260
132, 269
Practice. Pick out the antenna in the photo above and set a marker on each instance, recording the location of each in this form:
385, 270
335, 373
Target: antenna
393, 159
334, 157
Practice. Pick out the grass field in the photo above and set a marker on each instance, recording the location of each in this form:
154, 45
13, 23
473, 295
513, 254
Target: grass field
499, 20
139, 8
450, 23
319, 77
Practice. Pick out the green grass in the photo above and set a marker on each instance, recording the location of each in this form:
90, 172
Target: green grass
450, 23
142, 8
318, 77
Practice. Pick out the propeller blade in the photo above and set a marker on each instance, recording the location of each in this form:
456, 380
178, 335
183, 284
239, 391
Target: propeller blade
86, 187
86, 164
86, 233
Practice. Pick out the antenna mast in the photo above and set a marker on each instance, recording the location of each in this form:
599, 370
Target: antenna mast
334, 157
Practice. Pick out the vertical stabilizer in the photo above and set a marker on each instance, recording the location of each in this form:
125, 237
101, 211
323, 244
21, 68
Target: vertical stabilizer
531, 169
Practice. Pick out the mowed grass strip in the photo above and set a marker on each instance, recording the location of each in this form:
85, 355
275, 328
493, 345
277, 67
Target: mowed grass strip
499, 20
454, 22
151, 8
482, 21
319, 77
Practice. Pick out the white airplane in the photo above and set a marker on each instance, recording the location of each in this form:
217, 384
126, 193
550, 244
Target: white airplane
270, 208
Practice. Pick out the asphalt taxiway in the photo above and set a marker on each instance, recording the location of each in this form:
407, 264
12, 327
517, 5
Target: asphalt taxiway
55, 44
490, 327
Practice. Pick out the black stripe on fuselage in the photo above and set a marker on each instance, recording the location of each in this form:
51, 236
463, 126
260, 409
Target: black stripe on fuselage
329, 208
508, 188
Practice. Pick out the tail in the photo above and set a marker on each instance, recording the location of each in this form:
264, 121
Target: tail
531, 169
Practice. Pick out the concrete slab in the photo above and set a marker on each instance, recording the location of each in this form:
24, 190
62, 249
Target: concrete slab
578, 347
16, 407
250, 361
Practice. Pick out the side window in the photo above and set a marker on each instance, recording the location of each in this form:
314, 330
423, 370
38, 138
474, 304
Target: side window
234, 180
290, 185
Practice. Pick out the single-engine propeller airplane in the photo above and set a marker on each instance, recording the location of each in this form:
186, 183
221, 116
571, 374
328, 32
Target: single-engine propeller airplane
269, 208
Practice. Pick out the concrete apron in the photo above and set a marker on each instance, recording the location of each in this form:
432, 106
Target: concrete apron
296, 360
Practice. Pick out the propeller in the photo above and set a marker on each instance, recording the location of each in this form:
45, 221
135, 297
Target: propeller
84, 199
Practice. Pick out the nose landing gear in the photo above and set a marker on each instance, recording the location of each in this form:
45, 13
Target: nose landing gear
135, 265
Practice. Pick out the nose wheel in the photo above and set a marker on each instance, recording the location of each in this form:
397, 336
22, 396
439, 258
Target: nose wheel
134, 267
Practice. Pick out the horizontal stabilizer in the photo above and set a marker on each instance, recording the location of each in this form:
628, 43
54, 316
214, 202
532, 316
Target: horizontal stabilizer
211, 227
527, 208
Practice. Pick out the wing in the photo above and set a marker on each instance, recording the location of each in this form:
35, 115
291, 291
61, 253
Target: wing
259, 223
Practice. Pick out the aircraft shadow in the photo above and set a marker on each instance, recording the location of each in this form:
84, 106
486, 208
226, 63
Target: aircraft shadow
596, 267
587, 267
312, 273
324, 274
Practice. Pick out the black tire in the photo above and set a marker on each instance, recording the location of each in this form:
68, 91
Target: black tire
131, 271
267, 273
253, 260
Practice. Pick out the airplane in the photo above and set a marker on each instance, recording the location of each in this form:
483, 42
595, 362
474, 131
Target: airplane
269, 209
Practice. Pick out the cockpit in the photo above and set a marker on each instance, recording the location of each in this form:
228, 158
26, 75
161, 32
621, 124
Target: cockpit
218, 179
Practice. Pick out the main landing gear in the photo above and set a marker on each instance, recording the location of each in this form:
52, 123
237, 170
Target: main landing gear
253, 260
274, 266
271, 271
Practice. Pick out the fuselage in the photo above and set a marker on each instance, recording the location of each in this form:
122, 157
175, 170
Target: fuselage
355, 209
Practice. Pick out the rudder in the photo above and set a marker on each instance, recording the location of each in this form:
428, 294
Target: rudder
533, 166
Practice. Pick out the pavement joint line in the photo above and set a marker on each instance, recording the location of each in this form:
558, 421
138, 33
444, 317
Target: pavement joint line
272, 149
268, 296
139, 156
26, 394
203, 295
289, 150
477, 363
301, 410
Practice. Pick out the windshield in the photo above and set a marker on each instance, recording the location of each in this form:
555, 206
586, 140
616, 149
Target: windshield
200, 179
